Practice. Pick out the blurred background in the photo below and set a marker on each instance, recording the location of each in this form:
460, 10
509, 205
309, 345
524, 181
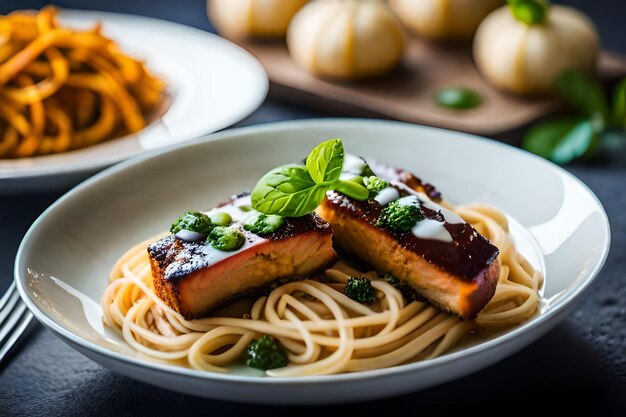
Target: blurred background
589, 374
608, 14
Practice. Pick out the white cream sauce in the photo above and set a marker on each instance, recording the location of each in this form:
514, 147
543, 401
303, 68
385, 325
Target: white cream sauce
450, 217
239, 209
424, 229
214, 256
409, 200
429, 228
387, 195
353, 165
234, 209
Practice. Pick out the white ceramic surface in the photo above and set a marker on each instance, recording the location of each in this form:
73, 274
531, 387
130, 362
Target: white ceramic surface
62, 265
212, 82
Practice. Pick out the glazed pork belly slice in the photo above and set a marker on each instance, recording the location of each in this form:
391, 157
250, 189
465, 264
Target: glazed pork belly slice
194, 278
442, 258
458, 274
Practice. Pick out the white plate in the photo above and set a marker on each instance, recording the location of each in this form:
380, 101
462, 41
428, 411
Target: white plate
213, 84
63, 262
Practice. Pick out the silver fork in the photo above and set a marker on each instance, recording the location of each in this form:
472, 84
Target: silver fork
14, 320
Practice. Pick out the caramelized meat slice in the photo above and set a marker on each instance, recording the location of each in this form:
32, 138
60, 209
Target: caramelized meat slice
194, 278
442, 258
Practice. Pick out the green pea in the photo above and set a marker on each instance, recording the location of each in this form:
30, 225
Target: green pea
221, 219
226, 238
458, 98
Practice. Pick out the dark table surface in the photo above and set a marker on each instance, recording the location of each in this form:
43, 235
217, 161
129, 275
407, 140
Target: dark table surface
579, 366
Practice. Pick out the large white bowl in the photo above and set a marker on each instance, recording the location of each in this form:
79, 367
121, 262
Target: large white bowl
63, 262
212, 84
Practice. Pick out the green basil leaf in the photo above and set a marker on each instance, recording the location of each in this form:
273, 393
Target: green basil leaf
326, 161
560, 140
583, 94
288, 191
530, 12
618, 114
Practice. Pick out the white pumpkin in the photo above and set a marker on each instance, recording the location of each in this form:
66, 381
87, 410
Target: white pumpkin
444, 19
346, 38
526, 59
253, 18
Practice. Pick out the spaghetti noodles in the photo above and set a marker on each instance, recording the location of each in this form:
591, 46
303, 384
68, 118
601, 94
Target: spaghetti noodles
322, 330
63, 89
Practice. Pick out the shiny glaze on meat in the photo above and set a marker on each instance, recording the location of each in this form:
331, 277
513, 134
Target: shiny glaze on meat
394, 174
466, 256
179, 258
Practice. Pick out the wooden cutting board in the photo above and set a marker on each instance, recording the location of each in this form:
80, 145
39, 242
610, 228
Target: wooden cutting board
406, 93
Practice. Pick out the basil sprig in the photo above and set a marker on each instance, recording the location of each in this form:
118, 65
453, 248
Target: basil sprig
530, 12
583, 94
325, 161
296, 190
596, 125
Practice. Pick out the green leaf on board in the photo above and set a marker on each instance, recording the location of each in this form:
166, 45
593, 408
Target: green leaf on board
458, 98
585, 95
560, 140
618, 109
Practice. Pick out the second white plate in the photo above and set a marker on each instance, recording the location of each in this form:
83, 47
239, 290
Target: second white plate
213, 84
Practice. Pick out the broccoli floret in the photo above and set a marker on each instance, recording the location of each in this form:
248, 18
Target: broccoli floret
265, 353
263, 224
193, 221
400, 217
375, 184
226, 238
361, 290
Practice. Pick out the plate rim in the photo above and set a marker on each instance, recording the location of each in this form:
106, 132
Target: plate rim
529, 326
83, 167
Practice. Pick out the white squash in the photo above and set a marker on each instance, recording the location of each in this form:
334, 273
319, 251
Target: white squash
526, 59
346, 38
253, 18
455, 20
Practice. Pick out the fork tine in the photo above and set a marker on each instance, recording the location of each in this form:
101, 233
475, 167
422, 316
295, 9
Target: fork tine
16, 314
22, 326
14, 319
7, 295
9, 305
